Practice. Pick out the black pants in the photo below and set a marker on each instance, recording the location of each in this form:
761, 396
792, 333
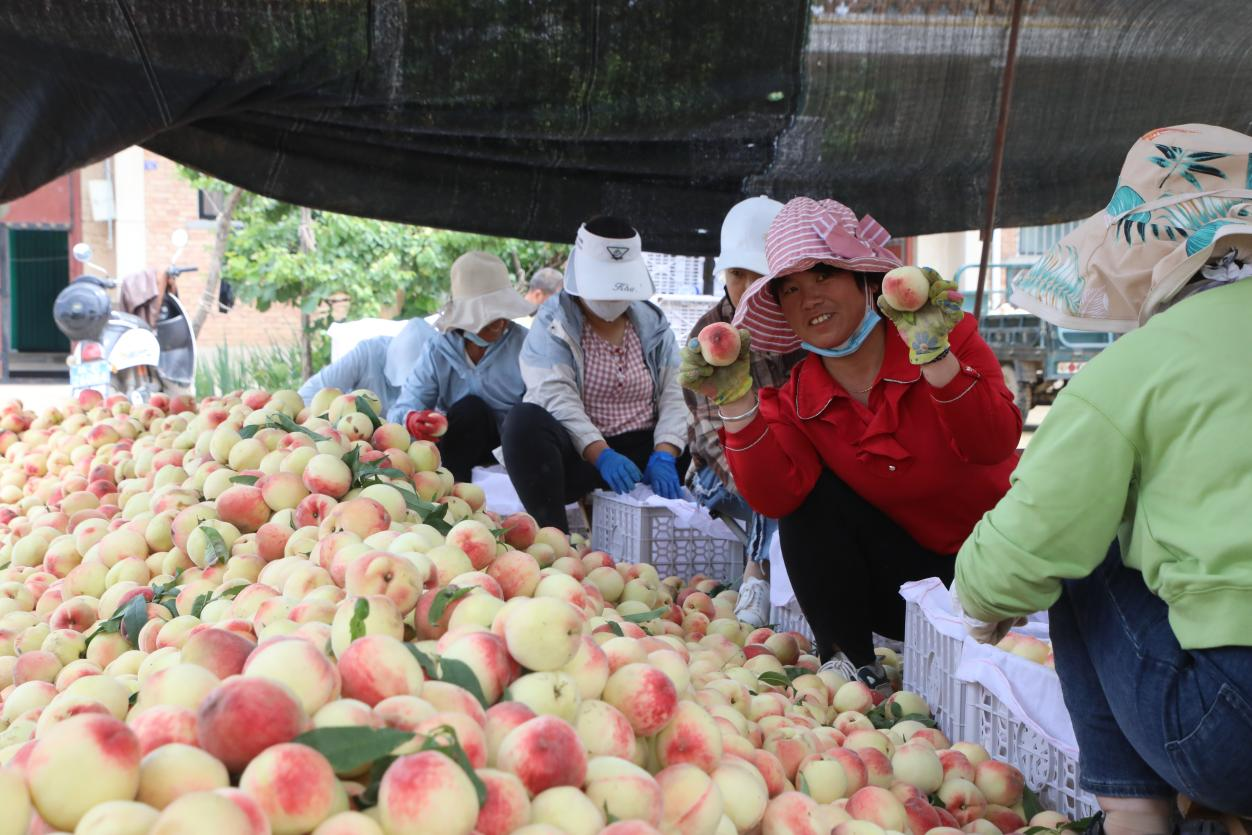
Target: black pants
472, 434
846, 560
549, 473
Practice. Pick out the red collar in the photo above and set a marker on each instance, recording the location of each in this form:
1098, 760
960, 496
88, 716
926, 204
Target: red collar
815, 389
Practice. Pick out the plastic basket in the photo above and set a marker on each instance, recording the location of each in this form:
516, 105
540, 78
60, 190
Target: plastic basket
930, 662
683, 312
789, 618
631, 532
1051, 772
675, 273
576, 519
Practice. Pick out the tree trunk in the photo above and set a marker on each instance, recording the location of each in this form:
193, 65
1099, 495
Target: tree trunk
208, 298
517, 269
308, 243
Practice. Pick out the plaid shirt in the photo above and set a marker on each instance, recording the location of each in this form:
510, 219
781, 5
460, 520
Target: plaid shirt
617, 388
768, 371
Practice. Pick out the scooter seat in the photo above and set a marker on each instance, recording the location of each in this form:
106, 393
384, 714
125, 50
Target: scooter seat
127, 321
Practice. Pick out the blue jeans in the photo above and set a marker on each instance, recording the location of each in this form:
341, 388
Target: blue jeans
1151, 718
713, 496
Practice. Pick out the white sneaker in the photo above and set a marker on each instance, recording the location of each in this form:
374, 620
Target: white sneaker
840, 664
753, 605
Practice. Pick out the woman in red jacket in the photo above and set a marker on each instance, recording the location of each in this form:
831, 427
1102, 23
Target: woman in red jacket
886, 444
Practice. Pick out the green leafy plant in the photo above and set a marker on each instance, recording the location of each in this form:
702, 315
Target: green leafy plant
887, 714
451, 671
225, 368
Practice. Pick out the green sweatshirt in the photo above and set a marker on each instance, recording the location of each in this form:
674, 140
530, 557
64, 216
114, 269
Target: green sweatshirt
1150, 442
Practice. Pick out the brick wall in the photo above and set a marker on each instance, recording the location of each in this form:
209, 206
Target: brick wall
95, 234
171, 203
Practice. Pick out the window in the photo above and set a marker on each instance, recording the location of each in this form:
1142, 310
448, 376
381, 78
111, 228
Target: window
211, 203
1036, 240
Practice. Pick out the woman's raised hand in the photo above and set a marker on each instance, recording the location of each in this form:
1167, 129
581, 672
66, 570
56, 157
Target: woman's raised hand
721, 384
925, 329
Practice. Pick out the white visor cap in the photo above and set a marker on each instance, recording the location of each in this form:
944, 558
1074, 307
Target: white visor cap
608, 269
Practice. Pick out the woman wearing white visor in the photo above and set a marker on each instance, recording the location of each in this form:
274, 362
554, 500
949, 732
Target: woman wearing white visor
379, 364
603, 407
470, 372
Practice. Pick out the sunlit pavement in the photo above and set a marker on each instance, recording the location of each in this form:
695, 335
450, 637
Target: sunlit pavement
35, 396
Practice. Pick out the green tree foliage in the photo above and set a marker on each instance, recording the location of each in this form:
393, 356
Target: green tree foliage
368, 260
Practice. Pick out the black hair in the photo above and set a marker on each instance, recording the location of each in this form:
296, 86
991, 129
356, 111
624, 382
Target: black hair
611, 227
862, 278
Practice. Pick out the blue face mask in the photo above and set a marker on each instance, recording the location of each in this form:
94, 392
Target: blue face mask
854, 342
475, 338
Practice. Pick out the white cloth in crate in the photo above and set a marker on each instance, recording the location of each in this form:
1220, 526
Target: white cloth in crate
936, 604
1031, 691
501, 497
687, 513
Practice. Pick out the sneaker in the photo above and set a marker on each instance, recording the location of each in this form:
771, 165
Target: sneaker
841, 664
753, 605
875, 678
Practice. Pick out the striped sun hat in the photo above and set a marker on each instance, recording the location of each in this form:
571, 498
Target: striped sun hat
808, 232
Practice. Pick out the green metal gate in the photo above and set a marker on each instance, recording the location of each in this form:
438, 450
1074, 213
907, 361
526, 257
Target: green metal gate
38, 269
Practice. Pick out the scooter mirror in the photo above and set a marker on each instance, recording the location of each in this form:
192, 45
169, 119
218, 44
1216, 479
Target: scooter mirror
82, 252
179, 238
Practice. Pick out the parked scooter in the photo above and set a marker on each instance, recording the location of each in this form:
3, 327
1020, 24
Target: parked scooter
117, 352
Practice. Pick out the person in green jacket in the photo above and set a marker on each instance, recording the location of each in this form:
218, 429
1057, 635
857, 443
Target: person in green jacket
1147, 448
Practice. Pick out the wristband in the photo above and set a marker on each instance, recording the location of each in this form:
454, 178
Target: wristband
941, 355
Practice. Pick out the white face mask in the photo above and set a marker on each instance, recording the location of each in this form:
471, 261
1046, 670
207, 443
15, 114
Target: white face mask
607, 310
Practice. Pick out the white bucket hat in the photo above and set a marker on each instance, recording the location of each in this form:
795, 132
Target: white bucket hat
608, 269
481, 294
743, 235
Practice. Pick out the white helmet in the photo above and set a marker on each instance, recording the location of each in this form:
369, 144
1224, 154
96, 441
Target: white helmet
743, 235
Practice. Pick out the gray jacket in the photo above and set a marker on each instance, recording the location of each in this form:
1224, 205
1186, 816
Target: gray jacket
552, 366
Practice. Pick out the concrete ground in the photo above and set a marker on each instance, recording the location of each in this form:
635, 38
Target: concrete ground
35, 395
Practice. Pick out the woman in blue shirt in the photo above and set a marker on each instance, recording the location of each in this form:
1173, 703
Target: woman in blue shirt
379, 364
470, 372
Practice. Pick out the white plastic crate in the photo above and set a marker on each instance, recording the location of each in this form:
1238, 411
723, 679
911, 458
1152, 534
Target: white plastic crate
675, 273
576, 519
789, 618
683, 312
630, 532
930, 662
1051, 772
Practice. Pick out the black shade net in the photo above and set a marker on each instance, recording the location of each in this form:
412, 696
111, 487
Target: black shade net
525, 117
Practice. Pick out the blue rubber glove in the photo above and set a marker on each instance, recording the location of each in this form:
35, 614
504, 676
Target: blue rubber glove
618, 471
662, 475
